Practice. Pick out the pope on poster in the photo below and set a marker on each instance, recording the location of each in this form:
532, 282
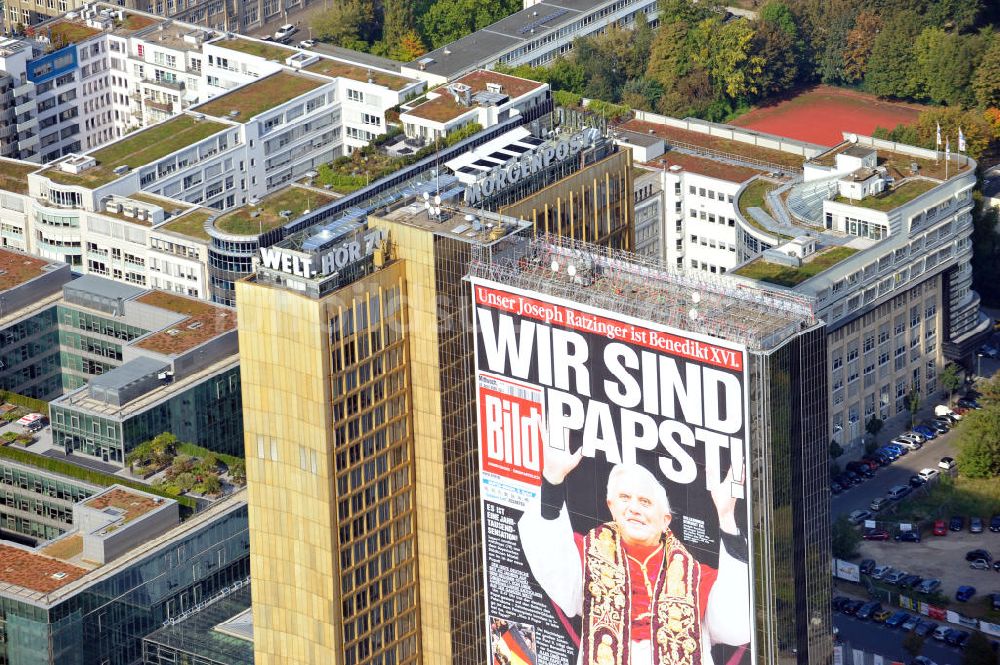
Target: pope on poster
642, 596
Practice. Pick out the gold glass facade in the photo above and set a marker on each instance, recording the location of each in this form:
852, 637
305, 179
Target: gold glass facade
330, 469
595, 204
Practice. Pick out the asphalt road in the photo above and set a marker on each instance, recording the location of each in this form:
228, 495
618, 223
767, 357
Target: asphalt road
875, 638
897, 473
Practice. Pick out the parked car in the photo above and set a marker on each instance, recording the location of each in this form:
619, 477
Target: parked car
922, 660
917, 481
877, 504
925, 628
868, 610
928, 473
940, 633
947, 463
897, 492
957, 638
936, 425
972, 555
875, 534
927, 432
866, 566
940, 528
914, 436
851, 608
838, 602
995, 600
912, 622
871, 462
929, 586
855, 478
975, 525
881, 616
908, 537
956, 523
910, 581
995, 523
980, 564
835, 487
844, 480
988, 351
945, 422
906, 443
859, 516
964, 592
894, 577
895, 448
307, 43
285, 32
897, 619
968, 403
881, 571
860, 468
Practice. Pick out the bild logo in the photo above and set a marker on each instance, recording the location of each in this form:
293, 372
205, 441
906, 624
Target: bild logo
511, 436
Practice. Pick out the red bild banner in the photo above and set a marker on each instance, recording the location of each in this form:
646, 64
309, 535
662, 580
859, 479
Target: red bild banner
567, 317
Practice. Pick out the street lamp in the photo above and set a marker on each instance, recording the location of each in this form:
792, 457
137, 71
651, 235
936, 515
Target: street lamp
979, 364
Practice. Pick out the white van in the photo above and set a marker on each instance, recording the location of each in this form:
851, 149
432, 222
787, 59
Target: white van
878, 503
940, 632
943, 410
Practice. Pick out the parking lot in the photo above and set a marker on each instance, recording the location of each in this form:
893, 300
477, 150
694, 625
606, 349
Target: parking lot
943, 558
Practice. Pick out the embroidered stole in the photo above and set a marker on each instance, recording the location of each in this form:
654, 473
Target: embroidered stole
675, 628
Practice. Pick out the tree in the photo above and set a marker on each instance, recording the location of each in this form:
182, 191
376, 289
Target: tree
668, 59
874, 426
732, 65
979, 443
238, 472
913, 644
341, 25
978, 651
448, 20
836, 450
986, 81
777, 48
913, 404
945, 64
951, 378
860, 40
844, 539
892, 65
210, 485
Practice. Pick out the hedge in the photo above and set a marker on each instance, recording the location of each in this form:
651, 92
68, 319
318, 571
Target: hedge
39, 405
65, 468
193, 450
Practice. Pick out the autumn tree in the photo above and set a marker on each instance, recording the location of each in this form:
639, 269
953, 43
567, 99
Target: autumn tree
892, 65
860, 40
986, 81
341, 25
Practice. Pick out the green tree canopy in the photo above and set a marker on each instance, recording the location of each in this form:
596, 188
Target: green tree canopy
986, 81
978, 443
448, 20
951, 378
892, 65
978, 651
845, 539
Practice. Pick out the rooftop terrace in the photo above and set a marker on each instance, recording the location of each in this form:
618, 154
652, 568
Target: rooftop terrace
35, 572
190, 224
703, 166
261, 95
14, 175
697, 140
790, 276
64, 32
17, 268
330, 67
890, 199
138, 149
899, 164
261, 49
444, 107
134, 505
295, 199
204, 321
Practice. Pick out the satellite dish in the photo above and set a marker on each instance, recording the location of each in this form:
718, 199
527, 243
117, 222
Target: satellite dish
693, 314
555, 266
853, 138
427, 196
696, 297
571, 270
437, 199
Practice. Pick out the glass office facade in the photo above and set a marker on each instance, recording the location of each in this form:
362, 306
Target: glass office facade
195, 641
791, 506
36, 505
105, 621
29, 356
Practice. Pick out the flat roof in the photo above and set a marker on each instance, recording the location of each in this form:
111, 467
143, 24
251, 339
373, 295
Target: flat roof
775, 273
682, 137
128, 373
485, 46
64, 32
331, 67
14, 175
17, 268
257, 47
704, 166
139, 149
210, 633
296, 199
36, 572
899, 194
262, 95
190, 224
452, 222
204, 321
444, 107
133, 504
103, 287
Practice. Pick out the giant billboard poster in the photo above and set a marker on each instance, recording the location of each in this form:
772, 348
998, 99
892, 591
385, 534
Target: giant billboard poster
613, 485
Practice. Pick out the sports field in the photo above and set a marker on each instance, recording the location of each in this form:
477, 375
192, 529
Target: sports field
820, 114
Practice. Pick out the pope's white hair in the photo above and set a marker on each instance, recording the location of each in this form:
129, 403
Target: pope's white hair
642, 472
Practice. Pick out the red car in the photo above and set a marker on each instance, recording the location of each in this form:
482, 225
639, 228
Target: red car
876, 534
940, 528
872, 464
